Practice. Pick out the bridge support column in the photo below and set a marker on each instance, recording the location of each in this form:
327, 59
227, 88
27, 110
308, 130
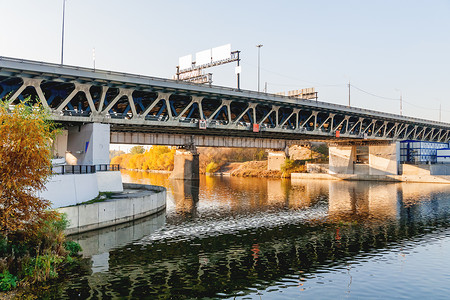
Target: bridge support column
88, 144
275, 160
186, 165
380, 159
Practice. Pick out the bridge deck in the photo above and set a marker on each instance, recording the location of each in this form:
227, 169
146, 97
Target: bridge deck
135, 103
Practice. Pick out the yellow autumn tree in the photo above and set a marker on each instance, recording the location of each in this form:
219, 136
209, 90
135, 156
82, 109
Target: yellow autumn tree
25, 165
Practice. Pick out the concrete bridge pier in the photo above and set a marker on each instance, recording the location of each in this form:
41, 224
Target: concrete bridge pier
275, 159
186, 165
364, 159
88, 144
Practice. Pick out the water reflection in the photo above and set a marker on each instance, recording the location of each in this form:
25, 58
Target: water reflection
232, 237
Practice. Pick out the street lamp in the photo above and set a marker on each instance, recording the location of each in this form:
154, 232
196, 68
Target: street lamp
62, 37
259, 62
401, 101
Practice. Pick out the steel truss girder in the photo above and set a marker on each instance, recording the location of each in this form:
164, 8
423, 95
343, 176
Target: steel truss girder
239, 113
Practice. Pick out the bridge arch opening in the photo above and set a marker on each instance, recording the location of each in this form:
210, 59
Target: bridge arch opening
143, 100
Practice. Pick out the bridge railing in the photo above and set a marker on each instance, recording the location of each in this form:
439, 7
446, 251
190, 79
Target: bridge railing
83, 169
107, 167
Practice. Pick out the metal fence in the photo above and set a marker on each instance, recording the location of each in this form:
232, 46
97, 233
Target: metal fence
83, 169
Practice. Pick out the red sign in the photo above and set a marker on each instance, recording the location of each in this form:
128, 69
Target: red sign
338, 133
255, 127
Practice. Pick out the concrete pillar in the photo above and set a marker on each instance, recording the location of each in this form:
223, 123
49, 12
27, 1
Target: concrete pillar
59, 146
341, 159
186, 165
383, 160
88, 144
275, 160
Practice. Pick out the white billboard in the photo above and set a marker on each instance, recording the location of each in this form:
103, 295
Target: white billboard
203, 57
185, 62
221, 53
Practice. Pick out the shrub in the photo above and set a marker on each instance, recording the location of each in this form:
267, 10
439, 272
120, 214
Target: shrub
7, 281
212, 167
41, 268
72, 247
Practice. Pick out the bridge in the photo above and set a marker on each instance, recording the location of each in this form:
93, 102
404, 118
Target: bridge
135, 109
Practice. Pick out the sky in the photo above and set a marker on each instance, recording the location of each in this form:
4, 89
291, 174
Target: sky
384, 48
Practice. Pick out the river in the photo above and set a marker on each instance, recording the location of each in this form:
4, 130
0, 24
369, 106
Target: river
253, 238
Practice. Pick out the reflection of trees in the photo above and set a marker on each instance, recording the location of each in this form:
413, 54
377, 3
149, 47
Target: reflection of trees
227, 263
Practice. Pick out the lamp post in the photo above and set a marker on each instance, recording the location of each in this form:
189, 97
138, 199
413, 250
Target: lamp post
401, 101
62, 37
259, 63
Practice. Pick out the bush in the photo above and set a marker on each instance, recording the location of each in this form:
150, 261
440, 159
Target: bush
292, 166
7, 281
72, 247
212, 167
41, 268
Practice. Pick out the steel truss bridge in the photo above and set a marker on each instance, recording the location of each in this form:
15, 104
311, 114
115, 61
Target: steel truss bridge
140, 105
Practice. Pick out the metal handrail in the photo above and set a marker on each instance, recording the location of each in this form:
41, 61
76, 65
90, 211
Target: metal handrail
83, 169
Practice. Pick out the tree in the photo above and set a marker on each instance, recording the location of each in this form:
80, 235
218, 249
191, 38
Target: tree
25, 165
137, 150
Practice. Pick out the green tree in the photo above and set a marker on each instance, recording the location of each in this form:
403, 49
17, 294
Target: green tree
137, 150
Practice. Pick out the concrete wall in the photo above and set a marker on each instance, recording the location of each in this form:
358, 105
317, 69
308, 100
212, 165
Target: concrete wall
110, 181
341, 159
317, 168
421, 169
88, 144
71, 189
275, 160
186, 165
383, 159
126, 207
64, 190
440, 169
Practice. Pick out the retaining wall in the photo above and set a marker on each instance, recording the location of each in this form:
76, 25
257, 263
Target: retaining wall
145, 200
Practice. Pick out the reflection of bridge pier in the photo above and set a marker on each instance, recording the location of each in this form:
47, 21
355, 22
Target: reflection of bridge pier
185, 195
352, 200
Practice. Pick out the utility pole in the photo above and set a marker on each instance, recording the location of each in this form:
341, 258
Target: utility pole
62, 37
265, 88
349, 93
401, 105
238, 71
440, 111
259, 62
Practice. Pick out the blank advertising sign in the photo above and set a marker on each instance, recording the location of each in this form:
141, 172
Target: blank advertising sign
203, 57
221, 53
185, 62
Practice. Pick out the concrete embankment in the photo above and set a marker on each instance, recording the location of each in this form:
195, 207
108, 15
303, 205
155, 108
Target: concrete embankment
136, 201
365, 177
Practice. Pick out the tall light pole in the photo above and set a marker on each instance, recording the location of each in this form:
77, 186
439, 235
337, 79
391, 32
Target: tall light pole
401, 101
62, 37
259, 63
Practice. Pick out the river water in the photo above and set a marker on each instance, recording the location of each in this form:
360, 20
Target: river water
253, 238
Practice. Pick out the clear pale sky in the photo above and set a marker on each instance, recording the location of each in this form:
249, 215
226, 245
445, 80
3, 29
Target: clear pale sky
383, 47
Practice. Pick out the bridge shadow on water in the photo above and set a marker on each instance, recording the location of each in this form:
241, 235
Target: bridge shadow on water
234, 237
